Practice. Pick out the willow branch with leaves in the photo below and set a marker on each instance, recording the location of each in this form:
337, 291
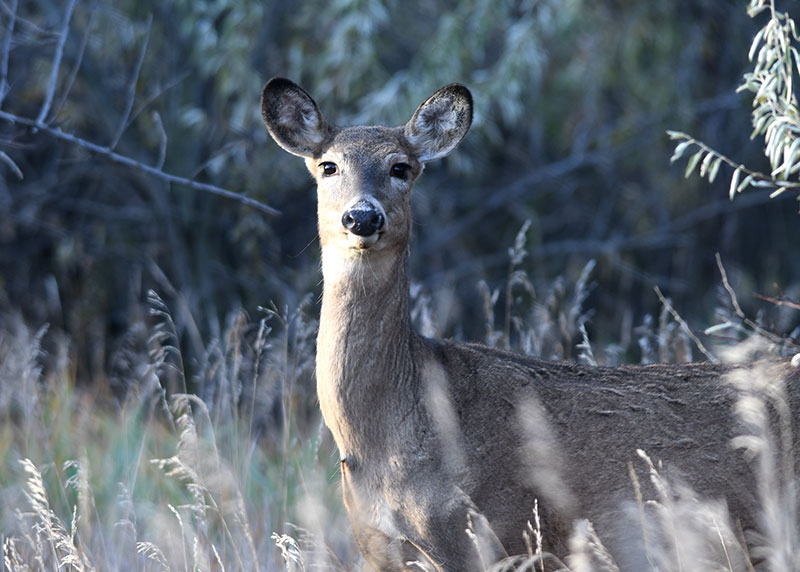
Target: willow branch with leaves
775, 111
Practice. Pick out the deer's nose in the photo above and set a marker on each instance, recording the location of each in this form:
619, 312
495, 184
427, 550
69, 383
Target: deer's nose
363, 219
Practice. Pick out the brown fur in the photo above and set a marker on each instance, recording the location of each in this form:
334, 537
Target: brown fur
434, 434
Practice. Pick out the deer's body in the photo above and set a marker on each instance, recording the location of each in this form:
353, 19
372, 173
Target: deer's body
434, 435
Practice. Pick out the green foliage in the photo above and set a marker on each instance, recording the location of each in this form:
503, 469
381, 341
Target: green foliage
570, 112
775, 113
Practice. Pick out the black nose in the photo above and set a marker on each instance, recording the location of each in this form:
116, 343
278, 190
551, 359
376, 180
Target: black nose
363, 219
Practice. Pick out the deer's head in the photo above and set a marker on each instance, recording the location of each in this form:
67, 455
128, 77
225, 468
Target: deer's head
365, 174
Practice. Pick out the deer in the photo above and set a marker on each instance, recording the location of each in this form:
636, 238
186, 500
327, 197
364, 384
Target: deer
446, 447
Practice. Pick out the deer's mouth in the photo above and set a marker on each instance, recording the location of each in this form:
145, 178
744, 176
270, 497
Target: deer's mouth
358, 242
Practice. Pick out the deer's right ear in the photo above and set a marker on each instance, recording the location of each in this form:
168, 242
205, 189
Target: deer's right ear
292, 117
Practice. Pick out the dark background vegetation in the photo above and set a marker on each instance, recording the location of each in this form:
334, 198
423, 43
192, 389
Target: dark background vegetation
157, 402
572, 98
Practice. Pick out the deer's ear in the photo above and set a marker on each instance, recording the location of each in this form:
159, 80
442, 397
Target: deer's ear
292, 117
439, 124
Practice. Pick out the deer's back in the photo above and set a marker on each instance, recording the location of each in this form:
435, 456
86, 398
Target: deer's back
566, 434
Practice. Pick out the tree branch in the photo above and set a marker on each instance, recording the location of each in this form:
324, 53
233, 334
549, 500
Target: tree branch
773, 338
580, 158
777, 302
123, 124
12, 20
129, 162
682, 323
11, 164
162, 141
62, 39
711, 163
155, 95
78, 61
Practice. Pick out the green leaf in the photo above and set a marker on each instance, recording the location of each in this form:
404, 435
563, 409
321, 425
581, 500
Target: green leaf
744, 184
679, 151
734, 182
758, 125
796, 57
754, 45
790, 159
714, 169
717, 328
706, 162
692, 164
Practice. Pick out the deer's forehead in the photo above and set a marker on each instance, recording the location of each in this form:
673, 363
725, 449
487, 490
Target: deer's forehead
368, 144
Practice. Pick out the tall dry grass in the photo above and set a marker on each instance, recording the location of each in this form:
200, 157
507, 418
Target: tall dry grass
239, 479
230, 468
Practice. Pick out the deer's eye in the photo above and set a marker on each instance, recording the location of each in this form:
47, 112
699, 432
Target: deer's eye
328, 168
400, 170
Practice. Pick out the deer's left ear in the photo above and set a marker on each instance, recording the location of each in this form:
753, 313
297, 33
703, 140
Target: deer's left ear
439, 124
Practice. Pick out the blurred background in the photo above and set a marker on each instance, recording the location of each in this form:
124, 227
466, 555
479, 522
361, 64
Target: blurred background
157, 400
572, 100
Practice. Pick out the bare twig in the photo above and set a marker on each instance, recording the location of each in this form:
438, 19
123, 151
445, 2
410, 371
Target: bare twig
62, 39
532, 183
225, 151
685, 327
162, 141
728, 288
150, 99
11, 164
11, 11
777, 302
671, 235
78, 61
774, 338
499, 198
128, 161
12, 21
123, 124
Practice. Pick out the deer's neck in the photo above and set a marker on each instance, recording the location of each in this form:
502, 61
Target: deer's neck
364, 363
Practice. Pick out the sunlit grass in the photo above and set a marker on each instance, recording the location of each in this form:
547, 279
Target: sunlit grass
150, 482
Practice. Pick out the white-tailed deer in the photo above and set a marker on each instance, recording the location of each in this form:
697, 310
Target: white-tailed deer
437, 436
